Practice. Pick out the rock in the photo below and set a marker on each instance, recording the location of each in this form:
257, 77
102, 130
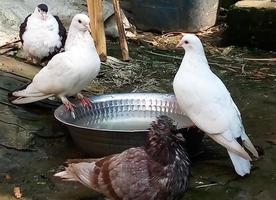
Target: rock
177, 15
15, 136
227, 3
252, 23
110, 24
6, 164
9, 64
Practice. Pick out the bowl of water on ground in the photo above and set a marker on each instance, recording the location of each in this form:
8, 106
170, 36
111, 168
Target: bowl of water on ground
116, 122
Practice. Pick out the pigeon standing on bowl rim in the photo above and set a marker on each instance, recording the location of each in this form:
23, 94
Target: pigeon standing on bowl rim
42, 35
207, 102
67, 73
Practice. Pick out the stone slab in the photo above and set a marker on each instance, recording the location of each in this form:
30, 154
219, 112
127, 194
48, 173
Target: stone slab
9, 64
252, 23
256, 4
227, 3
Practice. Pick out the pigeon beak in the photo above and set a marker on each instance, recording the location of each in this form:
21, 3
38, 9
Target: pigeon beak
179, 44
88, 28
44, 16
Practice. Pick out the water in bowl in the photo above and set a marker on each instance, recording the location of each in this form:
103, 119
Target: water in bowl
128, 121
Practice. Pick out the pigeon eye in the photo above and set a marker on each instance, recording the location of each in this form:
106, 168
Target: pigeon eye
186, 42
79, 21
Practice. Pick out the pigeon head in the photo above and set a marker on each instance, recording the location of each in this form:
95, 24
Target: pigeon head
163, 142
41, 11
81, 22
190, 42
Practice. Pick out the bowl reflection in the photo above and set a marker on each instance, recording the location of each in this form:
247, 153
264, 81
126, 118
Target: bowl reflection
116, 122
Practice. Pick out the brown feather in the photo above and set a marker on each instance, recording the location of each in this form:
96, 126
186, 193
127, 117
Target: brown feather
158, 170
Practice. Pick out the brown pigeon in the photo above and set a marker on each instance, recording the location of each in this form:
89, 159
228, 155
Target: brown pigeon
158, 170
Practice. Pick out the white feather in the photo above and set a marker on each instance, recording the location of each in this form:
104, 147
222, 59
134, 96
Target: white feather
207, 102
78, 172
41, 36
241, 165
69, 72
25, 100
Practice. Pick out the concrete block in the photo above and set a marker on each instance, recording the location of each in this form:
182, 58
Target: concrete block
227, 3
252, 23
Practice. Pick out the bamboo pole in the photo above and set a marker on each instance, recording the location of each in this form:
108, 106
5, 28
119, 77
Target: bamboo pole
95, 10
121, 30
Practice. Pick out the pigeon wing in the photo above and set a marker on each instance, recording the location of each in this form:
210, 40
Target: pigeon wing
119, 176
208, 103
55, 77
62, 31
23, 27
50, 80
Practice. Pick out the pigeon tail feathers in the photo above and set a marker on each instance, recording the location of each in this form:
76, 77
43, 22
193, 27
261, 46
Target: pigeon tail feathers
241, 165
78, 172
65, 175
232, 146
25, 93
248, 145
28, 95
25, 100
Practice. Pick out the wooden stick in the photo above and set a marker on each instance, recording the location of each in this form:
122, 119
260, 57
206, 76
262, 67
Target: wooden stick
261, 59
164, 55
95, 10
121, 30
7, 50
8, 44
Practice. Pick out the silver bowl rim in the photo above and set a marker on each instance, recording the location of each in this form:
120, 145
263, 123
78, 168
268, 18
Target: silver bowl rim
61, 107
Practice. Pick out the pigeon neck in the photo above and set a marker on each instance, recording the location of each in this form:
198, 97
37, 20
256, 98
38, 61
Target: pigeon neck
170, 161
75, 33
76, 38
195, 60
200, 55
160, 152
164, 149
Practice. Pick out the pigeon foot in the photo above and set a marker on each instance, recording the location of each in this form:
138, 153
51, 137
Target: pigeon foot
69, 106
86, 102
32, 60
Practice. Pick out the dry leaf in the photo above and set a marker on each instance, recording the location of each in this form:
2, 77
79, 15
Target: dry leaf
17, 192
8, 177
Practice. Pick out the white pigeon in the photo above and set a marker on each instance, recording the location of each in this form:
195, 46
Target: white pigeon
67, 73
207, 102
42, 34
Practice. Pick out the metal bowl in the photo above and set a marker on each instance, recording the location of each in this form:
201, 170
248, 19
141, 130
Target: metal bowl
118, 121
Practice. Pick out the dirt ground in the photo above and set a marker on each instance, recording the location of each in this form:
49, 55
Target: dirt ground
33, 146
